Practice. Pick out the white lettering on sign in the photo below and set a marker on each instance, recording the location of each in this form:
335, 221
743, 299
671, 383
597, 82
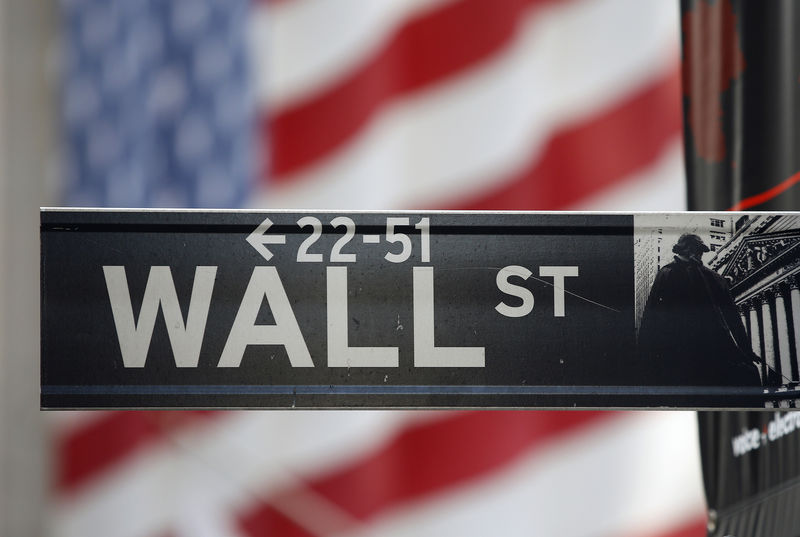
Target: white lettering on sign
394, 237
748, 441
134, 337
399, 239
350, 231
259, 239
265, 282
779, 426
340, 353
514, 290
303, 256
426, 353
558, 273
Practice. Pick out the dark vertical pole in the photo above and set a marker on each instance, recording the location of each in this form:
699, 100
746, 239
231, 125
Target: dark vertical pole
741, 107
741, 103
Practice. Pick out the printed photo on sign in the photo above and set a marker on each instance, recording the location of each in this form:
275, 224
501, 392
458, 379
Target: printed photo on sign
717, 300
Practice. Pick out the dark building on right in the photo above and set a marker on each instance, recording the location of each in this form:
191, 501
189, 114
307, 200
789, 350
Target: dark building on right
762, 263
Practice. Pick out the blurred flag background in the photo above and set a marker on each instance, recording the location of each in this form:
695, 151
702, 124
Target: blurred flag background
357, 104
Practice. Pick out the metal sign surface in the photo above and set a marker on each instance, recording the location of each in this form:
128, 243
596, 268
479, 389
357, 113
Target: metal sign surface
233, 309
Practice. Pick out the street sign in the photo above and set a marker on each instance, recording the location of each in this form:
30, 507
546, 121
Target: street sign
233, 309
750, 472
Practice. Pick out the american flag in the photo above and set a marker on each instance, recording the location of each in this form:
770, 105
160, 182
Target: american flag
387, 104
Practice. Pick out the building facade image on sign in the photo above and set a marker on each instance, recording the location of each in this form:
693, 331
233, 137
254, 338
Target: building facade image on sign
283, 309
755, 263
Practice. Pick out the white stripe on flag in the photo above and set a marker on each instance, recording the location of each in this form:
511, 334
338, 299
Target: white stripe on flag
632, 476
302, 46
659, 187
457, 137
223, 467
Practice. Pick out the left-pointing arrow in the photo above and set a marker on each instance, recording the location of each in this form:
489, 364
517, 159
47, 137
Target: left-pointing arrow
258, 239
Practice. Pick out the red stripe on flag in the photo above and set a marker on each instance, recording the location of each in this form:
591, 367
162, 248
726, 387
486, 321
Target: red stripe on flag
593, 155
268, 521
694, 528
90, 450
767, 195
430, 457
461, 34
436, 455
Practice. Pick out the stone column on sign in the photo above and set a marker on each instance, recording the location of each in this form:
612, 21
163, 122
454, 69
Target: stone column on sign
755, 329
766, 326
782, 325
794, 303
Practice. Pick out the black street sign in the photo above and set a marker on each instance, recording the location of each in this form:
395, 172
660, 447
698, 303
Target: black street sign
235, 309
751, 472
